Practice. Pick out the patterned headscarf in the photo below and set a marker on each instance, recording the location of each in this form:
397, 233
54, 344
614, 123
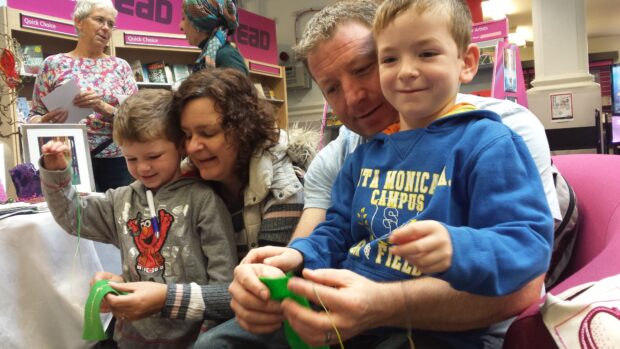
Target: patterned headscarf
218, 17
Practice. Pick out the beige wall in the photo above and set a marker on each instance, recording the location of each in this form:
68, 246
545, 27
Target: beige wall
604, 44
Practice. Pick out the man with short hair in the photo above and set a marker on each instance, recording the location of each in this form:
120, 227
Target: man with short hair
339, 52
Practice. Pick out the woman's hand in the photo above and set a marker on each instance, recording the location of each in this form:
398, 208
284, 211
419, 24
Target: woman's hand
144, 299
254, 310
56, 116
91, 99
54, 156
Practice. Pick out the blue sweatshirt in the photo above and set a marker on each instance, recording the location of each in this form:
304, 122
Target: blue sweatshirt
467, 171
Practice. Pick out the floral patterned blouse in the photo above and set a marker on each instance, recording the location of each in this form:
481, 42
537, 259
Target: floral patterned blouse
110, 77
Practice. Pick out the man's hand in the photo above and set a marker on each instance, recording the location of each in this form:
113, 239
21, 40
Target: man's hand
283, 258
254, 311
352, 301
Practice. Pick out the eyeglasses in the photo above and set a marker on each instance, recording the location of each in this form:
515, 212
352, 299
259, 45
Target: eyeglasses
103, 22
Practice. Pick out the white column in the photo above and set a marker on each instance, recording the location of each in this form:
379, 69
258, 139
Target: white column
561, 62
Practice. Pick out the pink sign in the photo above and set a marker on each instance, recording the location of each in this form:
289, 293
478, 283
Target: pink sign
31, 22
161, 16
256, 37
254, 66
490, 30
151, 40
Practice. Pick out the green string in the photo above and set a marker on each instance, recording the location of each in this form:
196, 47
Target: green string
278, 291
93, 329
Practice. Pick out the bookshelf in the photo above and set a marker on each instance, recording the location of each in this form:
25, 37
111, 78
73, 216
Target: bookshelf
29, 29
149, 47
273, 81
56, 35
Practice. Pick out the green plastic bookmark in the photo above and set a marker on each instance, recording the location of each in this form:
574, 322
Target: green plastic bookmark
93, 329
279, 291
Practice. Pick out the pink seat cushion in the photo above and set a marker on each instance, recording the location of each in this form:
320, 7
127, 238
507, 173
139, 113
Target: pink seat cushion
596, 181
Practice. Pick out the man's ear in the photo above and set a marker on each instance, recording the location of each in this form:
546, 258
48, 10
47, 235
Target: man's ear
470, 63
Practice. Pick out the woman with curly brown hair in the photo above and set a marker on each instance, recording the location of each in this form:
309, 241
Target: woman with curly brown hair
232, 140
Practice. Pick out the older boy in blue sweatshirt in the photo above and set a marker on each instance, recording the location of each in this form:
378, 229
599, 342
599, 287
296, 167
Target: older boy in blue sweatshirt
482, 222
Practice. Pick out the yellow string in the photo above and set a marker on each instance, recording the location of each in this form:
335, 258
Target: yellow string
329, 316
409, 334
79, 228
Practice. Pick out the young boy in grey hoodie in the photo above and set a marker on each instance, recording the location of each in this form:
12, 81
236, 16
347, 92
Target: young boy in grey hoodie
190, 239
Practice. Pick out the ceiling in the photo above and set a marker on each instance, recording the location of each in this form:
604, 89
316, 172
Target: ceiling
603, 16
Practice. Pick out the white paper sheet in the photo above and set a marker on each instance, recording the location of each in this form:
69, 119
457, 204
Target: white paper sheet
62, 97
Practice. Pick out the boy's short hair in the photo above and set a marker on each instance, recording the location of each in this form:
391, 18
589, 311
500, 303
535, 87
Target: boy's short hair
145, 116
322, 26
456, 13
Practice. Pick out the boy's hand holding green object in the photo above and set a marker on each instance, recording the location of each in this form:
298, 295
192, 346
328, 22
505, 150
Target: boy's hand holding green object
93, 329
279, 291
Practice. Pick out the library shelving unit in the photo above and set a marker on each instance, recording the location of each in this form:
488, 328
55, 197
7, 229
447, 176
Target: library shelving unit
57, 35
26, 29
150, 47
273, 81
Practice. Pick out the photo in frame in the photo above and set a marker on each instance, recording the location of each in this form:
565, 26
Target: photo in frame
561, 106
34, 136
510, 69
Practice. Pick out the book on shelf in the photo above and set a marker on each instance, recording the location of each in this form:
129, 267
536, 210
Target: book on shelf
180, 72
169, 76
271, 94
23, 108
139, 71
259, 90
33, 59
156, 72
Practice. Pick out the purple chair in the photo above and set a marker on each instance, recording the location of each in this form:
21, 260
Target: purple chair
596, 181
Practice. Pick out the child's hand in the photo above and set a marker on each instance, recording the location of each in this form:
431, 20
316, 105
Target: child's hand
425, 244
105, 275
55, 155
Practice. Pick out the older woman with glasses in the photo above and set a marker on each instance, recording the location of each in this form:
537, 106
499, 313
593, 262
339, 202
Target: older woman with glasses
103, 81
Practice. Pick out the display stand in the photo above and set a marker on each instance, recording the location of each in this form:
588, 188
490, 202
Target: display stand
500, 74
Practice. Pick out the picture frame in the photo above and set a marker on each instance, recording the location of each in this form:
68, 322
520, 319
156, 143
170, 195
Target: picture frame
33, 136
561, 106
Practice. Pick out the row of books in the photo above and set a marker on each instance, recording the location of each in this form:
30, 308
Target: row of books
159, 72
154, 72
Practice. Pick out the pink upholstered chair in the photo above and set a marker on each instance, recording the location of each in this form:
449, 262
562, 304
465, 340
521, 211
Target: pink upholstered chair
596, 181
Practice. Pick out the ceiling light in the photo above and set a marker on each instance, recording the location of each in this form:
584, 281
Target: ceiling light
516, 38
493, 9
525, 32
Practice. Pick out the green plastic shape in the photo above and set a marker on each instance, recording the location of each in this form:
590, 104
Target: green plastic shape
93, 329
279, 291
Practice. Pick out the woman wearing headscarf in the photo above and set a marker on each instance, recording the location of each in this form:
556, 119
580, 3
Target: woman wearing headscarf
207, 24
